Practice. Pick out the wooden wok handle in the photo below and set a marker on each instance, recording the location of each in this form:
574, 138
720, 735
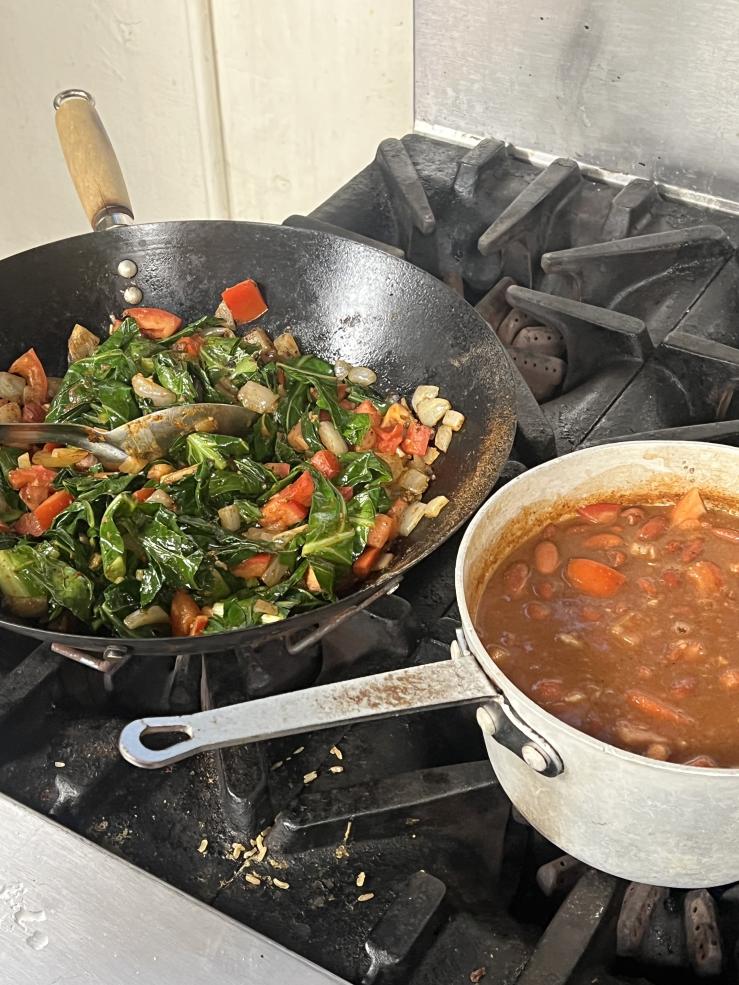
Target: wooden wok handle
91, 160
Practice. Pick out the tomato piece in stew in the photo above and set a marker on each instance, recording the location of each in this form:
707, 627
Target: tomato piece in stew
626, 627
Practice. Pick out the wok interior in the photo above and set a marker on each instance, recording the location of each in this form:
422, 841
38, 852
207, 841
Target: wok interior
339, 298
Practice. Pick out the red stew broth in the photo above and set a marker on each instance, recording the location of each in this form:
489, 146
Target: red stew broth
622, 621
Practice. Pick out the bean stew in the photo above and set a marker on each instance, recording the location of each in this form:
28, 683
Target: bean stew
622, 621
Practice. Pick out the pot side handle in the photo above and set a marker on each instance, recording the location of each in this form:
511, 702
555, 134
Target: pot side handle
458, 681
91, 160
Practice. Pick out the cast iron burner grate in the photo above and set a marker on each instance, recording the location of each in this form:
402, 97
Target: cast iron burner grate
386, 852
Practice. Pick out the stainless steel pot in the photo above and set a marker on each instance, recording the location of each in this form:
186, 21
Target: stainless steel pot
643, 820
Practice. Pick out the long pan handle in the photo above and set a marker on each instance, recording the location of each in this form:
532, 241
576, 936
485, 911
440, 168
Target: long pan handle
458, 681
91, 160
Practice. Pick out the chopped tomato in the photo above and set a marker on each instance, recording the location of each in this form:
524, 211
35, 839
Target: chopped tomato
416, 441
253, 567
33, 494
396, 414
18, 478
29, 367
51, 446
33, 413
141, 495
198, 625
182, 613
599, 512
388, 439
367, 407
42, 517
327, 463
655, 708
347, 492
301, 491
366, 562
245, 302
189, 346
383, 530
280, 469
311, 582
593, 578
690, 507
154, 323
281, 514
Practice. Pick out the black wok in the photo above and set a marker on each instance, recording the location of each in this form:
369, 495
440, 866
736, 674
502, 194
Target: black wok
340, 299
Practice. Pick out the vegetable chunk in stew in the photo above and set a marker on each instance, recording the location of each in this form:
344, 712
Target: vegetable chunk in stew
623, 621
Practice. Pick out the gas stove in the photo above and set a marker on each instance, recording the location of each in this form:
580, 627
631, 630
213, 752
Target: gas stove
387, 852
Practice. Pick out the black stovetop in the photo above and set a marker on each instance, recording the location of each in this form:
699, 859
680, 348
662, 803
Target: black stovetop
403, 859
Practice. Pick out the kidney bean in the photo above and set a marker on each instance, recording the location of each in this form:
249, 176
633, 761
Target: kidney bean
516, 577
673, 546
643, 672
683, 687
672, 578
591, 614
549, 531
545, 589
705, 577
706, 762
537, 611
633, 515
617, 559
547, 690
546, 557
726, 533
655, 708
692, 549
599, 512
658, 750
648, 586
688, 650
601, 542
653, 528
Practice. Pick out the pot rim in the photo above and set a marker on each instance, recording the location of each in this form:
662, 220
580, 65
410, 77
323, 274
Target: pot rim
507, 686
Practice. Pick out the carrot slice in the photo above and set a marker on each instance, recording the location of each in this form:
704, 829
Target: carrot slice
154, 323
593, 578
382, 531
327, 463
364, 564
183, 612
141, 495
416, 441
654, 708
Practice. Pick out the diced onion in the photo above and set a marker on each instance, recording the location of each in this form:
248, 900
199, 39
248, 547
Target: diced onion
410, 518
431, 455
132, 465
26, 606
342, 369
11, 387
267, 619
275, 572
423, 393
81, 344
171, 477
162, 498
443, 437
10, 413
258, 398
331, 438
295, 438
265, 608
230, 518
362, 376
146, 617
453, 419
159, 470
384, 561
436, 505
147, 389
259, 337
224, 313
414, 481
59, 458
24, 461
431, 410
286, 346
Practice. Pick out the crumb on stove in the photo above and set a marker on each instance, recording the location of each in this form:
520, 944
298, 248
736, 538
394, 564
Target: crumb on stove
237, 849
297, 752
203, 846
360, 879
336, 769
310, 777
280, 884
365, 897
59, 764
478, 974
335, 751
277, 765
252, 879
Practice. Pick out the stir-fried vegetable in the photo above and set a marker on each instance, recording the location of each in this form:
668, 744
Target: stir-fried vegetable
227, 532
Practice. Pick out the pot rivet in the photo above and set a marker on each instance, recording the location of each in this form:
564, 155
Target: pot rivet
132, 295
127, 268
534, 757
486, 721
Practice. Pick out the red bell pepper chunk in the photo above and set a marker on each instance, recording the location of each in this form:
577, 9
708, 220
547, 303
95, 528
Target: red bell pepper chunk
301, 491
244, 301
42, 517
29, 367
253, 567
327, 463
347, 492
281, 514
189, 346
388, 439
18, 478
183, 612
416, 441
154, 323
280, 469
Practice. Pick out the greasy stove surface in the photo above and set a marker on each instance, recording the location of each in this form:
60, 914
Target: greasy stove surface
387, 852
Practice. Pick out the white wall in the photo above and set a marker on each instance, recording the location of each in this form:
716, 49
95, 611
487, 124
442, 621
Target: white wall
217, 108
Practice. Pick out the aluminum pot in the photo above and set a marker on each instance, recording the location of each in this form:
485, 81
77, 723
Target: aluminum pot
643, 820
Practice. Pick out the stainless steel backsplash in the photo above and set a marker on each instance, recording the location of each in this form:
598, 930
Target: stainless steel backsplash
644, 87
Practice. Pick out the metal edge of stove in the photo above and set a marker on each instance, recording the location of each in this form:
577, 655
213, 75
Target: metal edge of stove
70, 911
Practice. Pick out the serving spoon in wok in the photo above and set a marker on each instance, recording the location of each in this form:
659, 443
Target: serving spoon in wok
131, 446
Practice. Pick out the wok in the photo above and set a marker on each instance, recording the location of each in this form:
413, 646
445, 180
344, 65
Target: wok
340, 298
